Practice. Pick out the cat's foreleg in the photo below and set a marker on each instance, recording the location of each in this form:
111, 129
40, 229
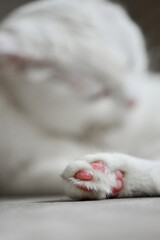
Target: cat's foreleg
39, 176
101, 175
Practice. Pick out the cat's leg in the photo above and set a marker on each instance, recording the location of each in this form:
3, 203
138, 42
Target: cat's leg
32, 177
102, 175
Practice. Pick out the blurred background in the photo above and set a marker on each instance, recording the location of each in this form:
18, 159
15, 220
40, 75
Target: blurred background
145, 12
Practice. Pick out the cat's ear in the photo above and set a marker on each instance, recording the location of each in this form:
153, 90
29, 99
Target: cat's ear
13, 55
21, 62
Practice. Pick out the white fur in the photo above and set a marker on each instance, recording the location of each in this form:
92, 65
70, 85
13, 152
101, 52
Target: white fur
68, 69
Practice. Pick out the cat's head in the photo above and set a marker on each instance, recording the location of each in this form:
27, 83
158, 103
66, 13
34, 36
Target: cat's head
65, 62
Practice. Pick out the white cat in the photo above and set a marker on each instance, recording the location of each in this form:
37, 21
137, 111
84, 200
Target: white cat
69, 71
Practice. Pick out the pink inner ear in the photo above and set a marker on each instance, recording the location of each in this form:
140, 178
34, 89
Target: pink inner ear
23, 62
9, 50
12, 54
14, 59
20, 60
20, 63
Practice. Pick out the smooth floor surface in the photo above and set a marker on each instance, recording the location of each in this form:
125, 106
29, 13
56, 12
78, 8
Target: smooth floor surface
60, 218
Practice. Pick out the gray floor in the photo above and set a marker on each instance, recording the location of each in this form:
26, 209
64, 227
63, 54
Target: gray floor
60, 218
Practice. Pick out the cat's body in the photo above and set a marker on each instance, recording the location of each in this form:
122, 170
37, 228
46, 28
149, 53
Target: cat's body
68, 70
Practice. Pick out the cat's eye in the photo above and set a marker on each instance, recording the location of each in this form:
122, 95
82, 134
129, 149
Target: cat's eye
101, 94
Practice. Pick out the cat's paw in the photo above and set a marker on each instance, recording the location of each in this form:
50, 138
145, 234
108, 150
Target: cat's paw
93, 177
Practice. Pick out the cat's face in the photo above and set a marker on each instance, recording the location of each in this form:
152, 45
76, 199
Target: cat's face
64, 100
64, 64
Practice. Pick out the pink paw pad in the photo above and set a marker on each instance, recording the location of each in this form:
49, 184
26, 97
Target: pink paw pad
84, 175
99, 165
87, 175
119, 185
